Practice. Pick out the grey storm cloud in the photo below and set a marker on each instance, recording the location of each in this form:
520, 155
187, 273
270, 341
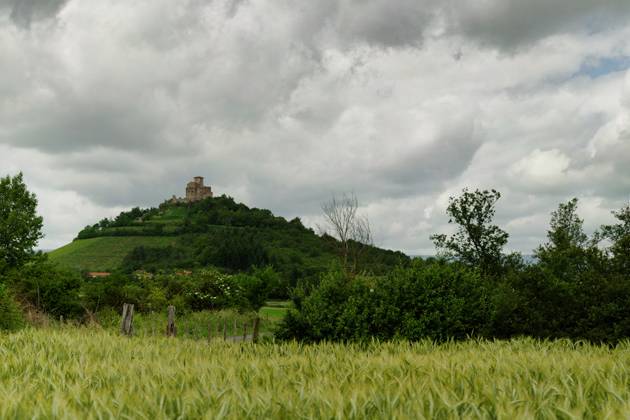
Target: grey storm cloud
24, 12
110, 104
509, 24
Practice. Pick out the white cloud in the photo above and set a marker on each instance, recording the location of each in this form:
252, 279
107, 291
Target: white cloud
111, 104
540, 168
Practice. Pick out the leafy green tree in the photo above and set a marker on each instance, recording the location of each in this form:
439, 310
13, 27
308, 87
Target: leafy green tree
566, 228
20, 226
477, 242
568, 251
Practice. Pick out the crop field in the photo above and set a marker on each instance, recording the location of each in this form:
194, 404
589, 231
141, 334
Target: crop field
104, 253
86, 373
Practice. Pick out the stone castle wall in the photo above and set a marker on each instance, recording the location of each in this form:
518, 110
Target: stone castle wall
195, 191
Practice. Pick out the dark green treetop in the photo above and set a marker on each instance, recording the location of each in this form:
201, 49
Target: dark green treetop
20, 226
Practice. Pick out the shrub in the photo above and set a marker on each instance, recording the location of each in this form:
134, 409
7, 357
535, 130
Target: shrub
47, 287
10, 315
210, 289
437, 301
257, 286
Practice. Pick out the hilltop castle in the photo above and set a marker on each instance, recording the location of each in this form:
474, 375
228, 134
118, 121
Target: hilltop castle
195, 191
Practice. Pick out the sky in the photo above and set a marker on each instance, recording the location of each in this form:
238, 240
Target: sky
111, 104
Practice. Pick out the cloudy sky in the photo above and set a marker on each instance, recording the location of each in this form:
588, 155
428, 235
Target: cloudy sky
109, 104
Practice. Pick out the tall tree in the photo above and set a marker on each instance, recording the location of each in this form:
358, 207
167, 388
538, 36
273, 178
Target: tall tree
20, 226
566, 227
568, 251
477, 242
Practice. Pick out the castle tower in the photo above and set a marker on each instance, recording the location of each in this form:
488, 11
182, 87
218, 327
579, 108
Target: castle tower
195, 190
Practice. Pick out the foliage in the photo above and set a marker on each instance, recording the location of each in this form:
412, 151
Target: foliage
20, 226
10, 315
134, 217
258, 286
477, 242
566, 252
47, 287
427, 300
205, 289
236, 251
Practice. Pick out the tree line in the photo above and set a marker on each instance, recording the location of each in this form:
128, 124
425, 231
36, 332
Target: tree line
577, 286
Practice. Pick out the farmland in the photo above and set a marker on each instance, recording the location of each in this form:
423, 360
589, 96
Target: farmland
103, 253
88, 373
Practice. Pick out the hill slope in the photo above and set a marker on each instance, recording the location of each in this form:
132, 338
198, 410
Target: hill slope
104, 253
216, 231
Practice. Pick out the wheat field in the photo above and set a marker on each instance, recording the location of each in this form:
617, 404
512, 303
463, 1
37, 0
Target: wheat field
87, 373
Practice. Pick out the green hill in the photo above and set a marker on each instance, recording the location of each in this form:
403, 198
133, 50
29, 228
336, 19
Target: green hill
213, 232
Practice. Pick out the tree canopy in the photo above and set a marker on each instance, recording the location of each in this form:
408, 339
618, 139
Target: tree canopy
477, 242
20, 226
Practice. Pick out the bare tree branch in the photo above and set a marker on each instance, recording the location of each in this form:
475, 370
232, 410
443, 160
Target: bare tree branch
349, 227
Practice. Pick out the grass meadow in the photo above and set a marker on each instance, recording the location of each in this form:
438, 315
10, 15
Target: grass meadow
197, 325
71, 372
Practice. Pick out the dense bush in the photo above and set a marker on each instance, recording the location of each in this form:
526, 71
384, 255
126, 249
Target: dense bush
47, 287
10, 315
593, 304
436, 300
441, 300
257, 286
207, 289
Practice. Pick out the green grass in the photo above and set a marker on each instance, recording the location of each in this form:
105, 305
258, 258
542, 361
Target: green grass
84, 373
194, 325
104, 253
273, 313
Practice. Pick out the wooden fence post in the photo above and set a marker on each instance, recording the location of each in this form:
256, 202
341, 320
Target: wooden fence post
126, 326
224, 330
255, 329
244, 331
235, 330
171, 330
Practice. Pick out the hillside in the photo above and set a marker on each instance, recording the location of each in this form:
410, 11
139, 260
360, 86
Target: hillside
216, 231
104, 253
